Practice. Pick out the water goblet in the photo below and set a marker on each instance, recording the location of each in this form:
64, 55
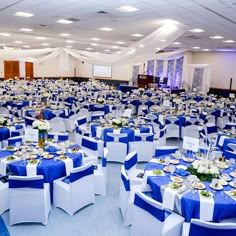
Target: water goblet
232, 163
167, 160
55, 138
17, 144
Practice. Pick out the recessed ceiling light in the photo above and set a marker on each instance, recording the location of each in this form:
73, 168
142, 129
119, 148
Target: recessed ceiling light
163, 40
216, 37
196, 47
137, 35
141, 45
106, 29
69, 41
23, 14
26, 29
120, 42
65, 35
89, 49
17, 42
97, 52
2, 44
40, 38
132, 51
115, 47
94, 44
68, 46
127, 9
228, 41
5, 34
95, 39
206, 49
63, 21
107, 50
45, 44
176, 43
158, 48
26, 46
196, 30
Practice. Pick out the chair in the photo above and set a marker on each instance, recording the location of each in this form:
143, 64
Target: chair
60, 136
57, 125
135, 175
29, 121
75, 191
127, 113
90, 148
29, 199
172, 127
117, 150
80, 132
199, 227
150, 218
98, 111
232, 147
211, 130
126, 197
190, 128
4, 193
100, 176
165, 150
143, 145
16, 139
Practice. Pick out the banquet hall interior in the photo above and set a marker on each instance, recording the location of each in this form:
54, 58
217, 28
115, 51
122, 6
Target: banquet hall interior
117, 117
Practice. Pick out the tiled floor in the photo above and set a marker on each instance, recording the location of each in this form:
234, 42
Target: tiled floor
103, 218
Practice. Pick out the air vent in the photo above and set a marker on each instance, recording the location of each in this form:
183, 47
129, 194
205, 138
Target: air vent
134, 40
42, 26
102, 12
73, 19
192, 37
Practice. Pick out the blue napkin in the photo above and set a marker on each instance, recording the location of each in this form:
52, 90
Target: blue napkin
51, 149
181, 172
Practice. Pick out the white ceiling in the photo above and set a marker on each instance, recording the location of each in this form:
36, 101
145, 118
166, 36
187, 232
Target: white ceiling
216, 17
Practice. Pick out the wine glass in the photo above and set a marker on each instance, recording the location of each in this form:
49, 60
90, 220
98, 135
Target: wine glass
167, 160
55, 138
17, 144
232, 163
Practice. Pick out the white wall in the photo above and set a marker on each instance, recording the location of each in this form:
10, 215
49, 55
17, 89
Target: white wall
223, 67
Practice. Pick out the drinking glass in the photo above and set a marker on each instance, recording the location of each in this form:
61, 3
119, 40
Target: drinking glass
55, 138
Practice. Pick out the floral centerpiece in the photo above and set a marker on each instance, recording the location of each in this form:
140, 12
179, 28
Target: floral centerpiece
141, 91
205, 170
119, 122
100, 100
3, 121
43, 127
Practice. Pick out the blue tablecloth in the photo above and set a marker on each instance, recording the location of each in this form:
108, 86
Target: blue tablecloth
4, 133
224, 207
226, 141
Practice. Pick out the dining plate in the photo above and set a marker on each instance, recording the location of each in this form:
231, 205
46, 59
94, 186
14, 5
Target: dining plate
199, 186
206, 194
158, 172
216, 187
167, 169
174, 161
232, 193
187, 159
48, 157
176, 179
233, 174
232, 184
175, 186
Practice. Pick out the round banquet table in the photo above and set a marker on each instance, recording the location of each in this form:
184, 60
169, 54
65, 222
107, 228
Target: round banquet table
187, 203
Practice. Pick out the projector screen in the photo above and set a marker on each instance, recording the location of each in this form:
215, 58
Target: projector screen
102, 71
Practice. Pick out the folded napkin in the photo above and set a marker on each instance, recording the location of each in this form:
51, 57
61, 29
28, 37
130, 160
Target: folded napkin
228, 193
181, 172
31, 169
206, 208
68, 165
52, 149
222, 139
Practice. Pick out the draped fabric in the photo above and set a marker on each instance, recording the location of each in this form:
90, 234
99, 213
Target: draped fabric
178, 71
131, 54
150, 67
198, 78
170, 72
159, 68
135, 74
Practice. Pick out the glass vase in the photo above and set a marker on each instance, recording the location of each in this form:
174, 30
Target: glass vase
42, 139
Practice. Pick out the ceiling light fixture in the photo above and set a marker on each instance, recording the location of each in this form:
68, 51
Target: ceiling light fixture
5, 34
95, 39
228, 41
26, 46
19, 42
115, 47
137, 35
205, 49
127, 9
107, 50
120, 42
94, 44
216, 37
176, 43
141, 45
63, 21
68, 46
45, 44
23, 14
40, 38
196, 30
64, 35
89, 49
106, 29
163, 40
158, 48
196, 47
69, 41
26, 29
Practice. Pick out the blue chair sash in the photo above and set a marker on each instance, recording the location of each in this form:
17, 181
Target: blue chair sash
82, 121
14, 141
197, 230
161, 152
126, 182
26, 183
60, 137
212, 129
89, 144
147, 138
131, 162
81, 174
159, 214
104, 162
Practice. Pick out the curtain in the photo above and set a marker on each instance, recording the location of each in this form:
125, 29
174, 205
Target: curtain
178, 72
150, 67
135, 75
170, 72
159, 68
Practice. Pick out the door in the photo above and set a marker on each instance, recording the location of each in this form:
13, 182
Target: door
29, 70
11, 69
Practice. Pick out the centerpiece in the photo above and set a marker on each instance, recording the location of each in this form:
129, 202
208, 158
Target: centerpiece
205, 170
3, 121
100, 100
119, 122
43, 126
